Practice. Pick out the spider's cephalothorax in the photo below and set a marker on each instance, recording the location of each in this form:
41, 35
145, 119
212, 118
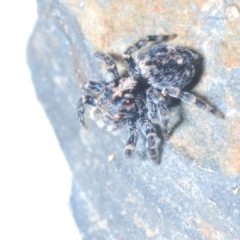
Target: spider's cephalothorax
160, 72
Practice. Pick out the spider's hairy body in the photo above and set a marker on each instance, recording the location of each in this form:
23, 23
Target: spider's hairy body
160, 72
167, 66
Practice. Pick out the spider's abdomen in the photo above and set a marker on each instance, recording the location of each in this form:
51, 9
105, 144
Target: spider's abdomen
168, 66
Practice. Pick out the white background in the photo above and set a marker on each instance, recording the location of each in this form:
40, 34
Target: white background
35, 180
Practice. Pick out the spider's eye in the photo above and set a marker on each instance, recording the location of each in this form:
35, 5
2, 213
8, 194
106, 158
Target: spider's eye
128, 96
128, 99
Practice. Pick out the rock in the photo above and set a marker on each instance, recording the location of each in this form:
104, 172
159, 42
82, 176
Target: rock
194, 192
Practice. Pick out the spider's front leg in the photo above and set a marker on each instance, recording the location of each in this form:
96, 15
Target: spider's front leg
92, 86
110, 63
150, 133
80, 107
127, 55
190, 99
157, 108
132, 139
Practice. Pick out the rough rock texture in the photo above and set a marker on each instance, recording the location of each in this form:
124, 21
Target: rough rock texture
195, 192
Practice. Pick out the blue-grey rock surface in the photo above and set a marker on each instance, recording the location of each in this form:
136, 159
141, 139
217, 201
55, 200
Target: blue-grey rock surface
194, 193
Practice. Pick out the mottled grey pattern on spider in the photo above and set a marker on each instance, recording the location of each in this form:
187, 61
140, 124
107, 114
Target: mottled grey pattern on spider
160, 72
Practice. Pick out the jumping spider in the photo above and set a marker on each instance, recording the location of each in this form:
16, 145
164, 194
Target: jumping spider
161, 71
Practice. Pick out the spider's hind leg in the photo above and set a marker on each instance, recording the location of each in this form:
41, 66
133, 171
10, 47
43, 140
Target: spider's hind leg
110, 63
158, 108
190, 99
149, 132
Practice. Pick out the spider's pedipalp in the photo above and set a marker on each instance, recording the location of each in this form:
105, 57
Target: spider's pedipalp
94, 87
190, 99
110, 63
80, 107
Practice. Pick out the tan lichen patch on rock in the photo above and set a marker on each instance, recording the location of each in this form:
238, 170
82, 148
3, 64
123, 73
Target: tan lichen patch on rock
111, 21
109, 25
143, 225
230, 54
207, 230
232, 162
225, 150
229, 51
207, 145
194, 148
